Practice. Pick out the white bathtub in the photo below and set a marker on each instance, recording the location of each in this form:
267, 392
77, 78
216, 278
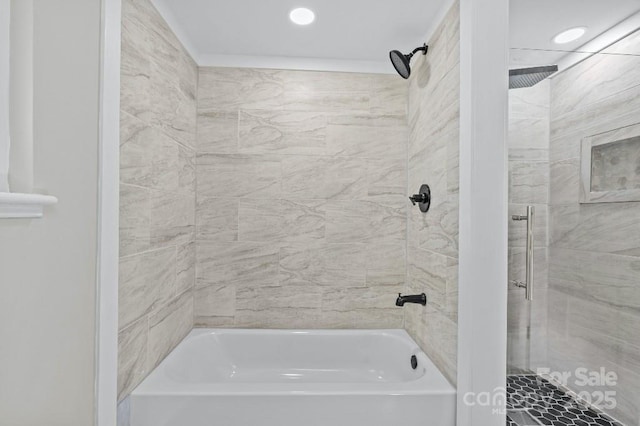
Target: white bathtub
294, 378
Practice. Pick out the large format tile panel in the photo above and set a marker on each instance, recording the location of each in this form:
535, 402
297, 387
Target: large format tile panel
433, 159
157, 193
301, 181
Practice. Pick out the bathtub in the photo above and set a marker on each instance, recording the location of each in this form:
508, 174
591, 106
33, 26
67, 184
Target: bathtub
294, 378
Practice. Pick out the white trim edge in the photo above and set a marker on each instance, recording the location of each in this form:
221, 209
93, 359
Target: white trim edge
106, 365
22, 206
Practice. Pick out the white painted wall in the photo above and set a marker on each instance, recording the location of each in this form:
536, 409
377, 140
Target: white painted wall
48, 266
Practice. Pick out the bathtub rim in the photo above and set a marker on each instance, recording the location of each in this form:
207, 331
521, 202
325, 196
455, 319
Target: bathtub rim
433, 382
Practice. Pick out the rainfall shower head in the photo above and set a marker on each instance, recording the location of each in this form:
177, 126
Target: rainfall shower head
529, 77
402, 62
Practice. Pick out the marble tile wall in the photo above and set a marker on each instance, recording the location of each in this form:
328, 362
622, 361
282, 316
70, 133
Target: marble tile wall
301, 208
433, 159
529, 117
594, 312
157, 193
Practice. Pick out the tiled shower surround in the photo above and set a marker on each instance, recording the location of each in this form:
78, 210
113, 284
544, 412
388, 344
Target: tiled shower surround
157, 193
594, 290
433, 159
301, 207
278, 199
586, 310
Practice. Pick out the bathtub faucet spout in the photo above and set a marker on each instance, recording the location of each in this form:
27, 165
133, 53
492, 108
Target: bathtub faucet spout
414, 298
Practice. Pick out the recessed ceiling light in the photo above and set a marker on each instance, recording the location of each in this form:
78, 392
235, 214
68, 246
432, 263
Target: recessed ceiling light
302, 16
569, 35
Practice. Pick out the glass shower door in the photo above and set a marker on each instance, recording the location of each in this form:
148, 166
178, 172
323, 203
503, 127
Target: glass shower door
529, 112
574, 156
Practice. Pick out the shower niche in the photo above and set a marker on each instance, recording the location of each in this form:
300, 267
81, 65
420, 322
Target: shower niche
610, 166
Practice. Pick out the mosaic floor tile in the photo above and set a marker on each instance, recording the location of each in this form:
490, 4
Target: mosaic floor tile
550, 405
521, 418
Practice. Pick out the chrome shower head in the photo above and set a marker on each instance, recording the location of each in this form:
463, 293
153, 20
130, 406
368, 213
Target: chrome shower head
402, 62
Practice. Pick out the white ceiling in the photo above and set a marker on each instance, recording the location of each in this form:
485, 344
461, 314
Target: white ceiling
356, 35
346, 33
534, 23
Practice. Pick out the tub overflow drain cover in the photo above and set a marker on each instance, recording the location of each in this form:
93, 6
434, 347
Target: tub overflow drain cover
414, 362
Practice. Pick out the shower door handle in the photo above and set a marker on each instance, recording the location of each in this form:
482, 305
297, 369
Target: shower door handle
528, 283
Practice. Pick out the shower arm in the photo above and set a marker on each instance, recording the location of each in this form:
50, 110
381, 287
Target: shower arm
424, 49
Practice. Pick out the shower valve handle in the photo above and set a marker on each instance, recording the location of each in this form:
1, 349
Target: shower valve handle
418, 198
422, 199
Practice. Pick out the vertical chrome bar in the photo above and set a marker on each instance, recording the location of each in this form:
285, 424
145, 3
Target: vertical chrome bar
529, 264
528, 281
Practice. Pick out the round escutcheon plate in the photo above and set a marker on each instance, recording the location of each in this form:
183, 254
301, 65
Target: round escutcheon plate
426, 204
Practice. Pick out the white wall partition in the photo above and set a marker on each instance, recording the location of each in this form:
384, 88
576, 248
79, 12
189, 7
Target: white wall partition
5, 52
483, 211
108, 216
47, 266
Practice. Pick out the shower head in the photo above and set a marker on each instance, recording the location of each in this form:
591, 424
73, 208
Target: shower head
402, 62
529, 77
